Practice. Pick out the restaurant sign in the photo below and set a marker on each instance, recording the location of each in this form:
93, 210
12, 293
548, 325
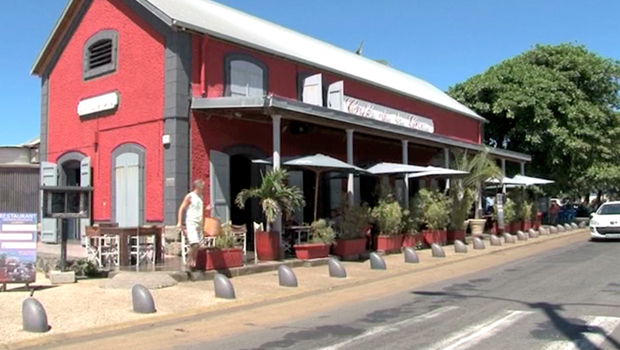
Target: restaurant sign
98, 104
387, 114
18, 248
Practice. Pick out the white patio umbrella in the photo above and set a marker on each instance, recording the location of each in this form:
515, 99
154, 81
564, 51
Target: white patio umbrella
531, 180
395, 168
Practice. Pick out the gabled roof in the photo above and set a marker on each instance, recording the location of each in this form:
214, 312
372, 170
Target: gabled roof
209, 17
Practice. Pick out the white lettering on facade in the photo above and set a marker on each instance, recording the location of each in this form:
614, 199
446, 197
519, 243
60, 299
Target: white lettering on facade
98, 104
387, 115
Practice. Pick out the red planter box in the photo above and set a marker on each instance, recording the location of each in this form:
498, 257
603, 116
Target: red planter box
435, 236
222, 259
268, 245
537, 224
411, 240
526, 225
387, 244
514, 227
350, 247
453, 235
311, 251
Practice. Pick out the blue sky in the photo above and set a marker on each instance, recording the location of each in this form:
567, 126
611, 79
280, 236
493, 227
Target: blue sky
441, 41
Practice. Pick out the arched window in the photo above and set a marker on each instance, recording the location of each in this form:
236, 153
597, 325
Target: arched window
100, 54
245, 76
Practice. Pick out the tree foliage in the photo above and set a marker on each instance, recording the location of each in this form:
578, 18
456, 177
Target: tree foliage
559, 104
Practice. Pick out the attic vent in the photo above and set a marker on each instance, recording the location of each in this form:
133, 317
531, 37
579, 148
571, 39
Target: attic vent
100, 53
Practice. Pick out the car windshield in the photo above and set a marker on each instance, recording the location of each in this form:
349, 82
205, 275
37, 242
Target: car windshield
610, 209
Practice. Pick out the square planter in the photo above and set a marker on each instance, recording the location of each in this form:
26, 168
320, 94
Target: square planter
453, 235
311, 251
268, 245
434, 236
222, 259
411, 240
514, 227
526, 225
389, 244
350, 247
536, 224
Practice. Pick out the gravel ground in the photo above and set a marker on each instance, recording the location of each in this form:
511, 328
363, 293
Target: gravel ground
86, 305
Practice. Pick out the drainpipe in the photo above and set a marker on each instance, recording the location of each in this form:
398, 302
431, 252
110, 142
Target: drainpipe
203, 65
405, 151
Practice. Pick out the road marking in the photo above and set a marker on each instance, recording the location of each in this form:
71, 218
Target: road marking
473, 335
601, 328
373, 332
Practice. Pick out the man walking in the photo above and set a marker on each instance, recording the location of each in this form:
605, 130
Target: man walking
194, 211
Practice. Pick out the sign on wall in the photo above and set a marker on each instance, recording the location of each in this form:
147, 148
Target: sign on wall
18, 248
387, 114
98, 104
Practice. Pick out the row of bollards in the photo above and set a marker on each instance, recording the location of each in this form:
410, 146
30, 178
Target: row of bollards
35, 320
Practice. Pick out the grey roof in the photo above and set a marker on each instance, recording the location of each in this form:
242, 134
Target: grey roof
306, 111
209, 17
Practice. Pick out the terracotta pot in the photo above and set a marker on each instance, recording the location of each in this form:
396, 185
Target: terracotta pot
221, 259
268, 245
212, 227
453, 235
389, 244
434, 236
350, 247
514, 227
411, 239
311, 251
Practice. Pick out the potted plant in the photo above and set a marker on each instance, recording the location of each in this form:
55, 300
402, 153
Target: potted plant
351, 240
410, 228
434, 209
461, 202
225, 253
479, 168
536, 217
276, 198
388, 216
322, 236
526, 215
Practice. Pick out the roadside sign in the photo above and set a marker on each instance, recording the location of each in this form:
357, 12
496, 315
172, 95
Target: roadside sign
500, 211
18, 248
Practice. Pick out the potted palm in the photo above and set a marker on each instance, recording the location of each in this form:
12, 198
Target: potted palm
388, 216
226, 252
352, 238
526, 215
276, 198
461, 201
322, 236
434, 209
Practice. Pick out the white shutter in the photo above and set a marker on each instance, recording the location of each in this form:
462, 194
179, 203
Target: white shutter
85, 181
220, 185
132, 190
238, 81
49, 227
312, 92
296, 179
335, 96
120, 202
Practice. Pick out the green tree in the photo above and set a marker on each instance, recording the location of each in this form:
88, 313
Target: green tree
559, 104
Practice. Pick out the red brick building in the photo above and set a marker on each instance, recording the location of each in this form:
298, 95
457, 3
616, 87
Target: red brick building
139, 97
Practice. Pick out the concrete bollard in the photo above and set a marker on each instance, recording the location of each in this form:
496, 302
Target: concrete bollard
478, 244
459, 247
495, 241
142, 300
561, 228
411, 257
34, 317
223, 287
521, 236
286, 277
377, 262
582, 224
336, 268
437, 251
508, 238
574, 225
533, 233
543, 231
553, 230
568, 227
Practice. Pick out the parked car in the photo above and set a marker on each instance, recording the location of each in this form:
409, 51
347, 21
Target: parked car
605, 223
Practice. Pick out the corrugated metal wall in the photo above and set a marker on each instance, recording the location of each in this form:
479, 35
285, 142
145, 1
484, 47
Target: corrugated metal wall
19, 190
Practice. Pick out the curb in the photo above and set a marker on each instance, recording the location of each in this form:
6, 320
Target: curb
204, 313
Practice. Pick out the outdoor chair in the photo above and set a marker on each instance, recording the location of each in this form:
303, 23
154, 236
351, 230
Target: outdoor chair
102, 249
241, 232
142, 245
206, 241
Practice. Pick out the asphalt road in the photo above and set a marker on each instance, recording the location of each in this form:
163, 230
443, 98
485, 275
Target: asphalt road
565, 299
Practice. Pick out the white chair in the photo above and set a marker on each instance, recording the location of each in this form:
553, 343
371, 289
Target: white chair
142, 246
241, 232
208, 242
102, 250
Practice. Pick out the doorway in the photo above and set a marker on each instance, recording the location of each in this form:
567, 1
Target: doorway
70, 176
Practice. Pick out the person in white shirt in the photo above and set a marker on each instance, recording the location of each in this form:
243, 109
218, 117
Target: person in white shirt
193, 208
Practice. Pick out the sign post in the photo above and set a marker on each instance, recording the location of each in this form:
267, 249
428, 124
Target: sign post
499, 199
18, 248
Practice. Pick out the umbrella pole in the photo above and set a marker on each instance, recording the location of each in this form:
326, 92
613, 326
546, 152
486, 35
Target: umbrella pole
316, 193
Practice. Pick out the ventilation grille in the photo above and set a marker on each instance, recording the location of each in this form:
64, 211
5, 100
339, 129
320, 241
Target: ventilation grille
100, 54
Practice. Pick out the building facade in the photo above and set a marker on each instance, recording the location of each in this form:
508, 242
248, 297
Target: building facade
139, 97
19, 178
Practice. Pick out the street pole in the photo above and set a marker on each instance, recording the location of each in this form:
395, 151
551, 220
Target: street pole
63, 247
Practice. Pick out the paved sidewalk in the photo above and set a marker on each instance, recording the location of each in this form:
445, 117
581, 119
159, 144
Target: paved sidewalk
85, 305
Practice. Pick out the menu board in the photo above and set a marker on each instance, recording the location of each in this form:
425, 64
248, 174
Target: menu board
18, 248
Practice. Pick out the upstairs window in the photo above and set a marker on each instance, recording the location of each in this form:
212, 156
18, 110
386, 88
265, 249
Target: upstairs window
245, 76
100, 54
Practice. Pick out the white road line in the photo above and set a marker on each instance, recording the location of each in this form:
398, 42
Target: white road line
602, 327
473, 335
373, 332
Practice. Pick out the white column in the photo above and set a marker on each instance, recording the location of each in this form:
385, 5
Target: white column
405, 145
446, 164
276, 119
350, 179
503, 175
523, 168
